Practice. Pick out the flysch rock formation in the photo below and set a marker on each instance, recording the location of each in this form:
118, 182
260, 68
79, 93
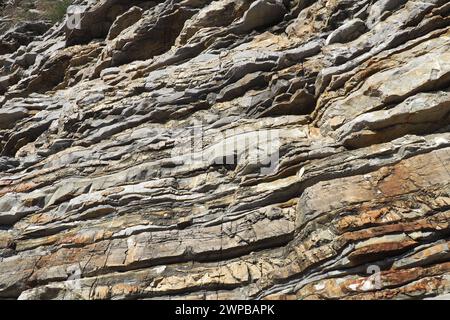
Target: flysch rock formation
117, 130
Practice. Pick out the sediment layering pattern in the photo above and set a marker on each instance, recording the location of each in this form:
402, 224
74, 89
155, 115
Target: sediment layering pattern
98, 202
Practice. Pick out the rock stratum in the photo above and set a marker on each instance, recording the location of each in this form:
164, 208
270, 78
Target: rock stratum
99, 200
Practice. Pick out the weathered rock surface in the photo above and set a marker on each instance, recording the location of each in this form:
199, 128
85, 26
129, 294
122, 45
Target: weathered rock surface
109, 191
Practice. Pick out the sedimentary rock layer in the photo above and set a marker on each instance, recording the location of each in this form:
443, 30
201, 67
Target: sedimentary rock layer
267, 149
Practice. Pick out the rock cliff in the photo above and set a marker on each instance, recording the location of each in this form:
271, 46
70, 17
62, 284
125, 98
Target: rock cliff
228, 149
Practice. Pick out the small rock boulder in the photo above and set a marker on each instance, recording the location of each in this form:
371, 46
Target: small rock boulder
347, 32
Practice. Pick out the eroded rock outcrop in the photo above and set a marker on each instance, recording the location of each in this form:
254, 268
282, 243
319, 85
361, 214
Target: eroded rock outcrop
122, 171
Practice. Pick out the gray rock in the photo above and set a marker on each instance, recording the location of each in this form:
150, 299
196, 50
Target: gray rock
228, 150
347, 32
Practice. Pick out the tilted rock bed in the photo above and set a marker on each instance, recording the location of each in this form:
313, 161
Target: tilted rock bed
100, 197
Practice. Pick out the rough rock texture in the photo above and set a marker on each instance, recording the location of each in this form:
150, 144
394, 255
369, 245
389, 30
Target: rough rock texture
99, 201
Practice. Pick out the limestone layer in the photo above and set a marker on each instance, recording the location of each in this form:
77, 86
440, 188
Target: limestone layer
119, 172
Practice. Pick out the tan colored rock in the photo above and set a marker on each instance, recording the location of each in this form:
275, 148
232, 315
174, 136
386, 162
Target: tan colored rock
228, 150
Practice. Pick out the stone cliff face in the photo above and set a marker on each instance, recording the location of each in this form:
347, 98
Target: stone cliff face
229, 149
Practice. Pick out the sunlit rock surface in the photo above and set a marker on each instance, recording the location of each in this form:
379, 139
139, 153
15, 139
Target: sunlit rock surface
123, 174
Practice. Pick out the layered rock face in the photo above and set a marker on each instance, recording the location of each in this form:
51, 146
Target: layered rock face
229, 149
